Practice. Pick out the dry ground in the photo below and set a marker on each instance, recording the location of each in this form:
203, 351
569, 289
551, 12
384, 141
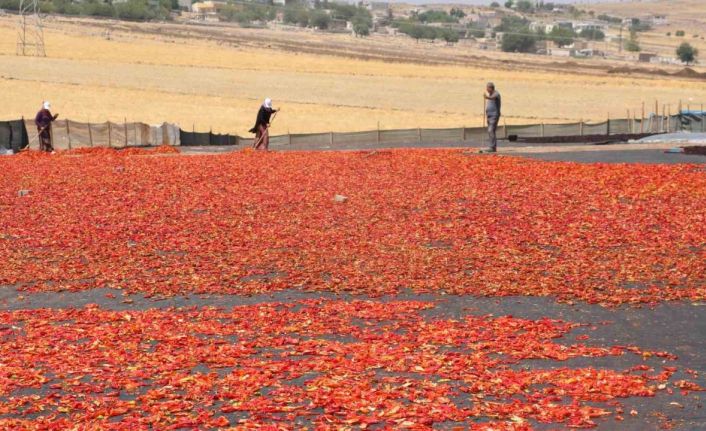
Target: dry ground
207, 77
686, 15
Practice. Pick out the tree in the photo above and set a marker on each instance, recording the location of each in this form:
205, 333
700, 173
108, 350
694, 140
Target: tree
320, 19
457, 13
495, 5
518, 42
680, 33
509, 3
687, 53
361, 26
562, 36
450, 36
592, 34
524, 6
632, 44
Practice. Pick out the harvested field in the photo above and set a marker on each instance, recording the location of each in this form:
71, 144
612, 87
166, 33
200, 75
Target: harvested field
204, 77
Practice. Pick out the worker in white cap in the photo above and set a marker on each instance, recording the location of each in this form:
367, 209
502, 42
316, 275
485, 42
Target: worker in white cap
43, 122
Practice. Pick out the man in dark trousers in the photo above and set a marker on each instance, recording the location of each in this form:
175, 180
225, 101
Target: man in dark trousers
262, 125
492, 113
43, 121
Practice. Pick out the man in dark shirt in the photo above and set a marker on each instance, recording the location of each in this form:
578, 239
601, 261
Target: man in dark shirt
262, 125
43, 122
492, 113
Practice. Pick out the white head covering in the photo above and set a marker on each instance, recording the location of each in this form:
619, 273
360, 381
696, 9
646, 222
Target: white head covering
268, 103
46, 105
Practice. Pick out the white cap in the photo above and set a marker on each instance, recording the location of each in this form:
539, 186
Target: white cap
46, 105
268, 103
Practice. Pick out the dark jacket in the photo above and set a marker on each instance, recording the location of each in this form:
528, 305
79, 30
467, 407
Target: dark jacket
263, 118
43, 120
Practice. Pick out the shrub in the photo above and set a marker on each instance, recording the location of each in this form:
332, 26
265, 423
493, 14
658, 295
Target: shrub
680, 33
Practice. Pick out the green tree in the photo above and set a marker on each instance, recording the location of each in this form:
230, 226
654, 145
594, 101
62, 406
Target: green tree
320, 19
450, 36
592, 34
632, 44
297, 15
524, 6
687, 53
457, 13
436, 16
679, 33
562, 36
518, 42
495, 5
509, 3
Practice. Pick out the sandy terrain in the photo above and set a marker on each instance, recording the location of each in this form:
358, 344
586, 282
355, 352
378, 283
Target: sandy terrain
206, 77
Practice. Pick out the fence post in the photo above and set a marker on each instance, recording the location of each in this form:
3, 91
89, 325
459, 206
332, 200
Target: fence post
669, 118
642, 119
68, 133
608, 126
702, 117
331, 138
110, 143
581, 127
289, 138
419, 134
378, 134
656, 128
90, 134
542, 129
126, 144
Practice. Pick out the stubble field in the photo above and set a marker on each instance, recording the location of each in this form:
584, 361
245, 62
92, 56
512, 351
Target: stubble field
98, 70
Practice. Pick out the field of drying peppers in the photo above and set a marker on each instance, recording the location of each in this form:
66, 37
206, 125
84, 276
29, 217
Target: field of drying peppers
368, 224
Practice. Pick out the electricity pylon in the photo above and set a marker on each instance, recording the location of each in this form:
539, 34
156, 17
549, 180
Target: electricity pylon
30, 35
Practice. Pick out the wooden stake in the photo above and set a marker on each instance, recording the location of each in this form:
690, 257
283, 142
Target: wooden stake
581, 127
378, 134
110, 144
629, 122
90, 134
642, 119
331, 138
126, 144
68, 133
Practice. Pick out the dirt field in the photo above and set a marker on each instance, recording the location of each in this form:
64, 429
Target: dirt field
205, 77
686, 15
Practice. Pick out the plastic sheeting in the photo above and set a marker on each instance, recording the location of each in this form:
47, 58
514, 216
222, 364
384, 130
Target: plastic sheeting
67, 134
13, 135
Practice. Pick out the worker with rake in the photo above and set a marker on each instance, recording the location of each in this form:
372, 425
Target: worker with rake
265, 118
43, 122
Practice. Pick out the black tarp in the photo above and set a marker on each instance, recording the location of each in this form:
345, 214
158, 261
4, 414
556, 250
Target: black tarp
199, 139
13, 135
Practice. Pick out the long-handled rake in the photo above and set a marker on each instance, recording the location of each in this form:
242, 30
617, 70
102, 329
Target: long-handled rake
259, 140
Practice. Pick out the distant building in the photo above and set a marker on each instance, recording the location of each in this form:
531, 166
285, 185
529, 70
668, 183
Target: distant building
562, 52
590, 26
646, 57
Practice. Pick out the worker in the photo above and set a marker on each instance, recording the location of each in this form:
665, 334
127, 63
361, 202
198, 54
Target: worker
43, 122
492, 113
262, 125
